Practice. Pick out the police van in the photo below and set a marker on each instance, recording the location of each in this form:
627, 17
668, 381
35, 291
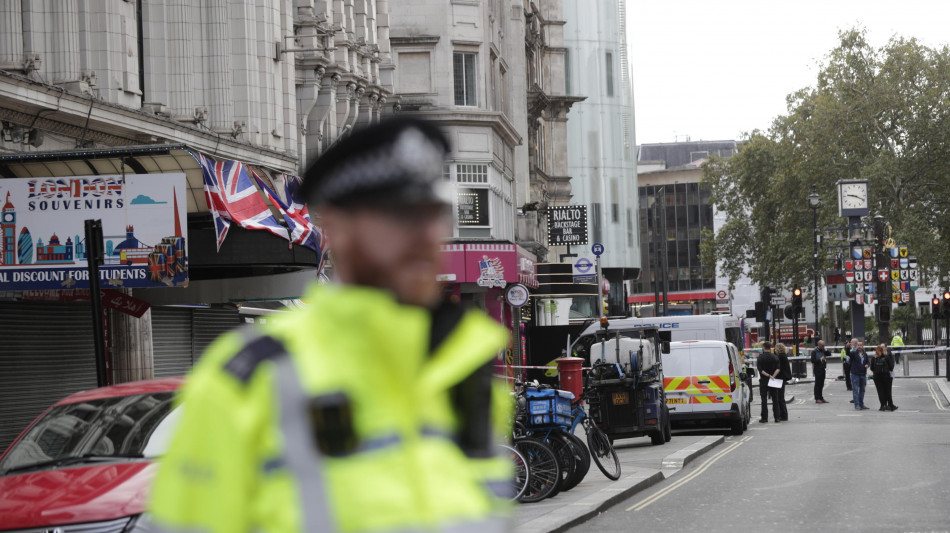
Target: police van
686, 327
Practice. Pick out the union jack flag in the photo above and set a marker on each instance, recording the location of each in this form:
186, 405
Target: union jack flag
232, 197
302, 230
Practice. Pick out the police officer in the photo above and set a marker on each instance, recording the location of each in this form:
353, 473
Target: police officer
897, 342
372, 408
846, 362
819, 361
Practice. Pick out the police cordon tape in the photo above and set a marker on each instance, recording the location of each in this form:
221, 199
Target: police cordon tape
542, 367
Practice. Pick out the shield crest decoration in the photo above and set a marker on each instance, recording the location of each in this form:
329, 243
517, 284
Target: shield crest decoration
849, 290
859, 299
859, 288
896, 297
905, 286
859, 265
904, 262
895, 286
903, 251
849, 265
868, 275
905, 275
883, 275
905, 297
868, 264
895, 264
896, 275
849, 276
856, 253
913, 275
866, 253
912, 262
892, 251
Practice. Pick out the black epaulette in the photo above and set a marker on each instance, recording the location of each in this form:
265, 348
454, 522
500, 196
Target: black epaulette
257, 349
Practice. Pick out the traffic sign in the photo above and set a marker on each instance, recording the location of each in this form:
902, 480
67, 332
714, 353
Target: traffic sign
778, 300
583, 265
597, 249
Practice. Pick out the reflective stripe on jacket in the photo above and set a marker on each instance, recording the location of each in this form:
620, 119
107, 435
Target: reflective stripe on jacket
344, 421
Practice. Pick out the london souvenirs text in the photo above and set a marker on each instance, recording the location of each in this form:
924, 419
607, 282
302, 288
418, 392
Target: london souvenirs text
42, 241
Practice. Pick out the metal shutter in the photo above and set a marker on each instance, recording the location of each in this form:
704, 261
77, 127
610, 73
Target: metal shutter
209, 324
46, 353
172, 341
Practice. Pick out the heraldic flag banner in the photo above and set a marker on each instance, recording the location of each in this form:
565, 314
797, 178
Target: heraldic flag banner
236, 194
145, 237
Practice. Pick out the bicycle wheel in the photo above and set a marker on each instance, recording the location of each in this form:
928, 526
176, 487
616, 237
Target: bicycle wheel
544, 474
565, 458
522, 475
581, 459
602, 452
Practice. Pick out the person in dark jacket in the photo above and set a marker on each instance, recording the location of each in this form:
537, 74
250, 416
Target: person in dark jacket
785, 374
859, 375
819, 361
882, 364
846, 362
768, 366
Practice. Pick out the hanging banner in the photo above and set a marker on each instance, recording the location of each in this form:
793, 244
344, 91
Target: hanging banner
143, 224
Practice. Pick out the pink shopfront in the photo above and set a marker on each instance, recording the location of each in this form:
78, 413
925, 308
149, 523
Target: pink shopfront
479, 273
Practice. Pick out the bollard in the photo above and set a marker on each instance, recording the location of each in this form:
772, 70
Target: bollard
569, 371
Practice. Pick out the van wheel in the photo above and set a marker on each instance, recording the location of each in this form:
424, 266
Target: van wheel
667, 430
656, 438
737, 427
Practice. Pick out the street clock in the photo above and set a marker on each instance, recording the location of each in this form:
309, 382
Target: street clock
853, 198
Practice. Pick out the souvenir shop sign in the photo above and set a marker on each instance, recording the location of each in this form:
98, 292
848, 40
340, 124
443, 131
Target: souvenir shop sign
144, 226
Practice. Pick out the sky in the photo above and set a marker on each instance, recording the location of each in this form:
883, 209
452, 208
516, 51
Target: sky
716, 70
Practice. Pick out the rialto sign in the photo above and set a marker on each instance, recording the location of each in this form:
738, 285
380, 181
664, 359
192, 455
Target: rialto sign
42, 236
567, 225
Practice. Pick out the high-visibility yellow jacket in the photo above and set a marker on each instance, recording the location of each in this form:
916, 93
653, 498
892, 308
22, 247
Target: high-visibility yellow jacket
348, 422
896, 340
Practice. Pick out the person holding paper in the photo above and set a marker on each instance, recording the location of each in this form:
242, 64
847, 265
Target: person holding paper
859, 376
768, 367
785, 374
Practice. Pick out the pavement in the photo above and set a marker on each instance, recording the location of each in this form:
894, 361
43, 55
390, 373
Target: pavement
642, 466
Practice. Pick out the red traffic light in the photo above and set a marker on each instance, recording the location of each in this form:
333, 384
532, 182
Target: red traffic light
798, 292
946, 295
935, 301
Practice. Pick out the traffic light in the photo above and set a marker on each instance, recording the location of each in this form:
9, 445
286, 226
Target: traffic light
790, 312
945, 305
797, 301
606, 305
884, 312
935, 310
766, 296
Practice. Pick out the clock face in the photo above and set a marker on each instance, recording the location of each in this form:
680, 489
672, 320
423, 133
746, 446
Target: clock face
8, 217
854, 195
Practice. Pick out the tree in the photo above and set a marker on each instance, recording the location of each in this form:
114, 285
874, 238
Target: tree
881, 114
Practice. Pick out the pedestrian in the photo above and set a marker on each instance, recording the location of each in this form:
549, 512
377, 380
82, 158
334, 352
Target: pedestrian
785, 374
819, 361
859, 375
846, 362
897, 341
768, 367
882, 365
371, 409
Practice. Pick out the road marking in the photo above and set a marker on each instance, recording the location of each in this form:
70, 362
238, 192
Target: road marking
933, 392
692, 475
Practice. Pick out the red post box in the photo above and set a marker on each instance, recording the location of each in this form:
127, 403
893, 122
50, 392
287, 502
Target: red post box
569, 375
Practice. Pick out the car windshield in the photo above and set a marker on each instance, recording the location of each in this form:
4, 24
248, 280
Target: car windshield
121, 427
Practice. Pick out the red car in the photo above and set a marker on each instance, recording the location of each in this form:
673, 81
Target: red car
88, 461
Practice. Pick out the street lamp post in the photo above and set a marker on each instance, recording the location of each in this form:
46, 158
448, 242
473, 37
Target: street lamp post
814, 202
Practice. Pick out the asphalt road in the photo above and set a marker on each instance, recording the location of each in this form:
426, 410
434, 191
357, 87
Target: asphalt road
829, 468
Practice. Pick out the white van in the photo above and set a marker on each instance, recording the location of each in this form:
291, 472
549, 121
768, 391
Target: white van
686, 327
704, 382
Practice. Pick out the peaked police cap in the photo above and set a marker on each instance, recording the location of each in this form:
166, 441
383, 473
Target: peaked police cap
398, 161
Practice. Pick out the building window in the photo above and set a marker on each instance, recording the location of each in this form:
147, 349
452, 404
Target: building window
567, 72
465, 173
610, 73
614, 206
465, 73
